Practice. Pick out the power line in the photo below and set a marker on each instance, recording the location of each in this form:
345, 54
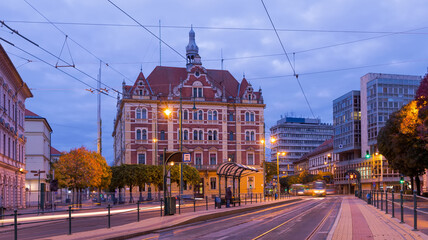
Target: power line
219, 28
341, 69
78, 44
291, 65
120, 9
84, 73
34, 56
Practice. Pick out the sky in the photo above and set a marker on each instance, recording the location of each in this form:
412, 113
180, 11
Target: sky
330, 44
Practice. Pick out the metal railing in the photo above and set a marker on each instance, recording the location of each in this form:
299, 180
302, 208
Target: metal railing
411, 207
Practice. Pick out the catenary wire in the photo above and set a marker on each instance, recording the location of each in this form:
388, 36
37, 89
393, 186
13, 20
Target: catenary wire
217, 28
291, 65
68, 74
43, 49
81, 46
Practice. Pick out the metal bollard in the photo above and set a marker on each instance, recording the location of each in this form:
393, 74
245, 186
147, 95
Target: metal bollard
69, 220
386, 202
206, 202
377, 199
251, 198
161, 207
245, 199
256, 198
108, 215
179, 205
381, 200
415, 214
194, 205
138, 211
401, 206
392, 205
15, 223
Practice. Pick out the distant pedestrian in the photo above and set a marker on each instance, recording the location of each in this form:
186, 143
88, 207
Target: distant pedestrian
369, 198
228, 196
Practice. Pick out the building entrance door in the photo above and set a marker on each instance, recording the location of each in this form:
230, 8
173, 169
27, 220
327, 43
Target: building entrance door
199, 189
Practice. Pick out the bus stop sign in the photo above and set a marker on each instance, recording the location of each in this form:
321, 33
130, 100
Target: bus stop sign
187, 158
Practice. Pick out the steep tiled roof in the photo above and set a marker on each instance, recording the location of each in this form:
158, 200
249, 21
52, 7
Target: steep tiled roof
54, 151
30, 114
325, 146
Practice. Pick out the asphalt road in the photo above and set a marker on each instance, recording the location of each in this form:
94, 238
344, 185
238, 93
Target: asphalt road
311, 218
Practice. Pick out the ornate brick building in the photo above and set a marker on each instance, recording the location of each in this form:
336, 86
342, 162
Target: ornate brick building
222, 120
13, 93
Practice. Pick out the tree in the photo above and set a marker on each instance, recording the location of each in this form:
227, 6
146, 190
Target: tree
422, 103
287, 181
306, 177
399, 142
270, 171
141, 178
190, 174
117, 181
80, 168
130, 178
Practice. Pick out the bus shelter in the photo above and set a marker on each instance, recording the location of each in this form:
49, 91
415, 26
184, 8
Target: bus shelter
233, 171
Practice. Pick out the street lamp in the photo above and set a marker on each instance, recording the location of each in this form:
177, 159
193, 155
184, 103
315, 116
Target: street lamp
264, 167
277, 169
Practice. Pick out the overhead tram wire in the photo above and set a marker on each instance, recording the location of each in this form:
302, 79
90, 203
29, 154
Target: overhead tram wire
43, 49
68, 74
217, 28
78, 44
141, 25
291, 65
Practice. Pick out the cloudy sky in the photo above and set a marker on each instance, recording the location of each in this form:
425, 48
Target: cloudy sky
331, 44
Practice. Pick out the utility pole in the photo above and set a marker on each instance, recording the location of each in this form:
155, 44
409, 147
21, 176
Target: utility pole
160, 44
99, 144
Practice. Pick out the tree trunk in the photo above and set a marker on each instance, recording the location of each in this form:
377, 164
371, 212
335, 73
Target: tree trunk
120, 195
141, 194
411, 183
131, 199
418, 185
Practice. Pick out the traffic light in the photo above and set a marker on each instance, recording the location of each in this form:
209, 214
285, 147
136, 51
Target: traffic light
367, 154
401, 179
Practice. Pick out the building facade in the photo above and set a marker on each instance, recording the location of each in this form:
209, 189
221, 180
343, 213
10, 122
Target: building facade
13, 93
381, 95
322, 158
37, 154
221, 120
296, 137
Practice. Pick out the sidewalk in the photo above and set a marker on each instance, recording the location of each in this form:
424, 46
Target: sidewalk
139, 228
358, 220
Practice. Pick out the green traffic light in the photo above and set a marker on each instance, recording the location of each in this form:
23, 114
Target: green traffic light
368, 156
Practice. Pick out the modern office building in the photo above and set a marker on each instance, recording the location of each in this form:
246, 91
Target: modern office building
221, 121
296, 137
381, 95
13, 93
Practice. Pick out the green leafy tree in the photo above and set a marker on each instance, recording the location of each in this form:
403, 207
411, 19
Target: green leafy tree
286, 182
141, 178
306, 177
270, 171
130, 178
399, 142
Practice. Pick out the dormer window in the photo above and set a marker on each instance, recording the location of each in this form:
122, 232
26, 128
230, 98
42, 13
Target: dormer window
197, 89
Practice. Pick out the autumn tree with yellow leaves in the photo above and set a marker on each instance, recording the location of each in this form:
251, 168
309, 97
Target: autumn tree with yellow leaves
81, 168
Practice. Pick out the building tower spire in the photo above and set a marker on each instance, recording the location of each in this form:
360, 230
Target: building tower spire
192, 51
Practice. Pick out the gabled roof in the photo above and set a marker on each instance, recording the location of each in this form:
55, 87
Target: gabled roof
54, 151
324, 147
30, 114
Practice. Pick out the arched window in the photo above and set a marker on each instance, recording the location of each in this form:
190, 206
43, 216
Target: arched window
247, 136
144, 114
195, 115
195, 135
215, 115
185, 114
210, 115
141, 92
252, 117
138, 114
215, 135
210, 135
252, 136
200, 115
138, 134
201, 135
186, 135
247, 116
231, 136
144, 134
162, 135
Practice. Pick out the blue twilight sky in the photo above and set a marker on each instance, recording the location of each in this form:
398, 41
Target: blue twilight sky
334, 43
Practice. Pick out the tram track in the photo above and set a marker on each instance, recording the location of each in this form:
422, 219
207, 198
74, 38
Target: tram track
316, 229
321, 224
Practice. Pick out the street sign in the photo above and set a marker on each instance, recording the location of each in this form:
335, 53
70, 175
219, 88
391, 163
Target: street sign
187, 158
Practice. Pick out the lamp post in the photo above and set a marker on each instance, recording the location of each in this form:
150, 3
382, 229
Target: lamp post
264, 166
277, 170
37, 173
20, 170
